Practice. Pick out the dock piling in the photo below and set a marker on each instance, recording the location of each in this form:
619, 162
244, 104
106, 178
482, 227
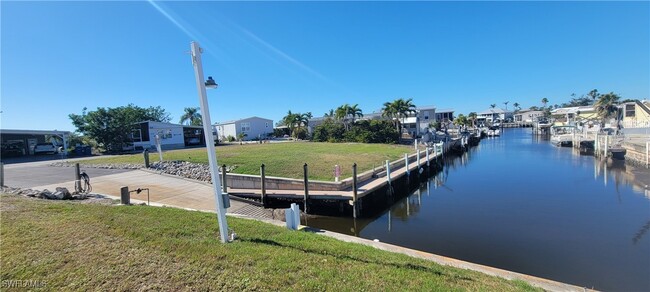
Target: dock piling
355, 206
306, 181
125, 196
418, 160
406, 164
263, 185
427, 158
388, 172
2, 174
145, 153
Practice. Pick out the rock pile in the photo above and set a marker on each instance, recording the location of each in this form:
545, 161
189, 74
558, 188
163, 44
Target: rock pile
184, 169
59, 194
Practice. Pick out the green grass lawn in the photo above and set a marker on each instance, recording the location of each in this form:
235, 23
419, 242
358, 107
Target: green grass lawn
284, 159
73, 246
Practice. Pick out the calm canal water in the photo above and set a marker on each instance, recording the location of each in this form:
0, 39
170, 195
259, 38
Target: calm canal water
518, 203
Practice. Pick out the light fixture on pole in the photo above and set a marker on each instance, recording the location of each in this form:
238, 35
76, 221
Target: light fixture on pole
219, 198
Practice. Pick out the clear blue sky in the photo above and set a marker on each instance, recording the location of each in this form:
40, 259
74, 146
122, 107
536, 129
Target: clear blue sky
268, 58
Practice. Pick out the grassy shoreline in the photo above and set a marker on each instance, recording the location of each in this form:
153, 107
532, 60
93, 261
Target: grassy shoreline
76, 246
283, 159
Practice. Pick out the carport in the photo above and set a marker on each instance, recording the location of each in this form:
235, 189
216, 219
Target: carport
22, 142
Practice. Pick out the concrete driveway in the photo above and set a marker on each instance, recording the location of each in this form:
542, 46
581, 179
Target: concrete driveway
32, 174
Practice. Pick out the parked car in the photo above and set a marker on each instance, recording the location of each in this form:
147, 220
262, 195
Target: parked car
45, 148
12, 150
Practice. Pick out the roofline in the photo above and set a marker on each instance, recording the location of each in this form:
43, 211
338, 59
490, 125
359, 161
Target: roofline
33, 132
234, 121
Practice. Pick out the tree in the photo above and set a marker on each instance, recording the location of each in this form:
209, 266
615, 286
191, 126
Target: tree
544, 101
493, 105
192, 116
593, 94
347, 114
606, 106
516, 105
472, 117
295, 122
506, 103
461, 120
112, 128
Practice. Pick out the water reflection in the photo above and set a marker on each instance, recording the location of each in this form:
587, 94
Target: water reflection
518, 203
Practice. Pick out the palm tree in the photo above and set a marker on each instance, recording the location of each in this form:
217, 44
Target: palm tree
388, 111
192, 116
472, 117
355, 112
330, 114
516, 105
291, 121
506, 103
398, 109
606, 106
593, 94
493, 105
544, 101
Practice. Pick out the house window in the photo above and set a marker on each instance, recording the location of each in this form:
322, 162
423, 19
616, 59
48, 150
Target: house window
266, 124
630, 110
136, 135
165, 133
245, 127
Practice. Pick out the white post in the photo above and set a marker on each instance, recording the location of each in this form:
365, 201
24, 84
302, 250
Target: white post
427, 156
647, 154
388, 171
415, 143
207, 131
337, 172
406, 163
418, 159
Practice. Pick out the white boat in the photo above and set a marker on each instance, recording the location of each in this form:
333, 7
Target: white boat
493, 132
562, 136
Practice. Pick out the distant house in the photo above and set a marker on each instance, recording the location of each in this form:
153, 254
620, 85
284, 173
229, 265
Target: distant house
636, 114
253, 128
570, 115
527, 116
172, 136
493, 114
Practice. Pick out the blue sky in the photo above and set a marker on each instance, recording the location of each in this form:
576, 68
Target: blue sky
271, 57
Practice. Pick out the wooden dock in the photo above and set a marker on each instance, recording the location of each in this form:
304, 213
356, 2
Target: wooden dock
364, 198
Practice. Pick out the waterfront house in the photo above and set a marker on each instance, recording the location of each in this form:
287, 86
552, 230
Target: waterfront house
527, 116
492, 115
635, 114
252, 128
571, 115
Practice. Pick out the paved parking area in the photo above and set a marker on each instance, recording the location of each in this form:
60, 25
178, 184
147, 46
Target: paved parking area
30, 175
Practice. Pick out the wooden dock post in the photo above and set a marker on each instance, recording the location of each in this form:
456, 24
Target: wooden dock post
263, 185
306, 181
125, 196
596, 146
2, 174
224, 185
145, 153
427, 158
406, 164
355, 204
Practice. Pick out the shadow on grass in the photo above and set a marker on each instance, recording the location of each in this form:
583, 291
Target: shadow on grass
347, 257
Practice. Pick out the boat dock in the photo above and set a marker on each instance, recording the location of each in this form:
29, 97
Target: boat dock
361, 195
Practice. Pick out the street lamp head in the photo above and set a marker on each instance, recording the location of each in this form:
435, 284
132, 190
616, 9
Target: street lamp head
210, 83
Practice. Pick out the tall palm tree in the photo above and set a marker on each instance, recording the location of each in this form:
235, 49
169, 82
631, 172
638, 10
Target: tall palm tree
493, 105
329, 114
192, 116
516, 105
355, 112
544, 101
291, 121
606, 106
506, 103
389, 111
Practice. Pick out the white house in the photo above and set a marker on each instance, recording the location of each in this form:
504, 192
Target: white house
252, 128
172, 136
527, 116
493, 114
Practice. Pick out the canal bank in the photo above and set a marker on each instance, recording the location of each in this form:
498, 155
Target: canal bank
518, 203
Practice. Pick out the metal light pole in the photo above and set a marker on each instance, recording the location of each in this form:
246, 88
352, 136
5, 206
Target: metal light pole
207, 129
